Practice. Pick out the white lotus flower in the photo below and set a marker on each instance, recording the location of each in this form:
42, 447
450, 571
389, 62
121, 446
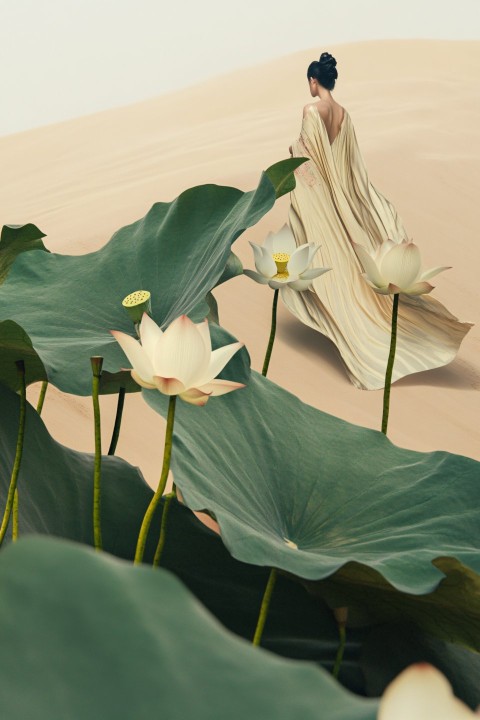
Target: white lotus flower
396, 268
179, 361
280, 263
421, 692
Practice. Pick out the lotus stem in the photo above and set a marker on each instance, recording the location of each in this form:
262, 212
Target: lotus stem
167, 453
342, 633
15, 516
118, 421
41, 397
163, 528
18, 452
341, 615
267, 596
97, 363
273, 329
391, 360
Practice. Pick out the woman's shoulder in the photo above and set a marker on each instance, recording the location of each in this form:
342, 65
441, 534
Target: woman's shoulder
324, 109
312, 106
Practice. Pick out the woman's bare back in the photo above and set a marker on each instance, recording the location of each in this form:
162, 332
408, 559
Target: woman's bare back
332, 115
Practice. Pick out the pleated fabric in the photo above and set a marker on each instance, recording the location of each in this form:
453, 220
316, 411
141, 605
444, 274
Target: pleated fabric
333, 204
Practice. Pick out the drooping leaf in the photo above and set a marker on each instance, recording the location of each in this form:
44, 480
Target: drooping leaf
16, 345
296, 489
178, 252
85, 635
233, 268
16, 239
281, 182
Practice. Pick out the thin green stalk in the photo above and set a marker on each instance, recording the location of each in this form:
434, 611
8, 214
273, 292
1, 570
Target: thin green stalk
342, 634
391, 360
18, 452
118, 421
267, 596
273, 329
167, 453
15, 516
97, 363
163, 528
41, 397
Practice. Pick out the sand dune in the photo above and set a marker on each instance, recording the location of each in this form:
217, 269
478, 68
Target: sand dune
416, 110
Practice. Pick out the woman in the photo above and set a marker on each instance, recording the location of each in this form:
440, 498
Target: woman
332, 205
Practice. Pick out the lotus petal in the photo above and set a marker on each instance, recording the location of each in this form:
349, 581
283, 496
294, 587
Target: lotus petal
283, 241
298, 262
313, 249
140, 381
169, 386
181, 352
256, 276
372, 272
300, 284
195, 396
421, 692
220, 387
150, 334
219, 358
313, 273
434, 271
204, 331
279, 283
264, 261
136, 354
401, 266
419, 288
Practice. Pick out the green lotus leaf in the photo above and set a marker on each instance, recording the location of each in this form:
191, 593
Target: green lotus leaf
56, 499
16, 345
389, 649
87, 636
233, 268
297, 489
178, 251
282, 183
55, 485
16, 239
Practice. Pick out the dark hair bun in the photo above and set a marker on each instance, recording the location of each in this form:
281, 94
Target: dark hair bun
327, 60
324, 70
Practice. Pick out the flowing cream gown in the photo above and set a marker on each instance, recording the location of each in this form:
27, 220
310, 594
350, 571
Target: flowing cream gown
334, 203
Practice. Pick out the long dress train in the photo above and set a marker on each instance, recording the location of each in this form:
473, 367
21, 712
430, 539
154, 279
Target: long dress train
334, 203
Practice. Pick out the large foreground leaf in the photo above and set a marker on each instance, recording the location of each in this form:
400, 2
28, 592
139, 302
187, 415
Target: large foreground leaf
178, 251
87, 636
294, 488
56, 499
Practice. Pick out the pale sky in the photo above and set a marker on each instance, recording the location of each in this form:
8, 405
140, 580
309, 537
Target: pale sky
63, 58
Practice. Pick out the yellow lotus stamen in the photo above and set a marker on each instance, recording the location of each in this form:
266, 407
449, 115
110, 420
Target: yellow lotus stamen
136, 304
290, 543
281, 261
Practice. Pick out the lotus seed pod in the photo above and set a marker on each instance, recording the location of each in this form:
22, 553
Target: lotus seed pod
136, 304
97, 363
